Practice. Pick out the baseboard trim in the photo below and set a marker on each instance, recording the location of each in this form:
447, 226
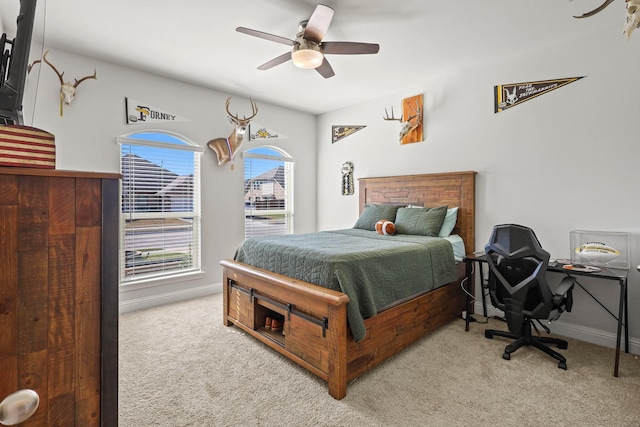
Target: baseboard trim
169, 297
582, 333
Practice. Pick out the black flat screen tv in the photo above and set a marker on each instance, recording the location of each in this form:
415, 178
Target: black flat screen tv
13, 68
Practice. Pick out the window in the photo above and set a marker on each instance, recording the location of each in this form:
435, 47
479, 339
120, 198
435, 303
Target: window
160, 205
268, 192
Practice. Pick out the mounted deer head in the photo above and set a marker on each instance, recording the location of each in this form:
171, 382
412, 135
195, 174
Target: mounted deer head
633, 15
408, 125
226, 148
67, 90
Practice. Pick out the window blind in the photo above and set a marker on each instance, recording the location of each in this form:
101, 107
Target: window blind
268, 193
160, 209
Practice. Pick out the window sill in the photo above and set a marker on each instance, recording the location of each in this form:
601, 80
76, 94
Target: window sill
160, 281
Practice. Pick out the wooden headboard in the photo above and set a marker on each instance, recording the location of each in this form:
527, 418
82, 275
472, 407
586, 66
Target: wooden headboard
429, 190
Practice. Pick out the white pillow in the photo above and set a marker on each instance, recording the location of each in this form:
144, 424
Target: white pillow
449, 222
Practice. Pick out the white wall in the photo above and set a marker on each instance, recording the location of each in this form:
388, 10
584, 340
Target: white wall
564, 161
85, 141
542, 163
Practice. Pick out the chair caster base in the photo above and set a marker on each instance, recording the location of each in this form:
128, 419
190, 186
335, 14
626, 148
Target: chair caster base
562, 365
506, 356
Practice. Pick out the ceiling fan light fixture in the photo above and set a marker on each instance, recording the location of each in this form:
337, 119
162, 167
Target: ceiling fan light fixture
307, 55
307, 58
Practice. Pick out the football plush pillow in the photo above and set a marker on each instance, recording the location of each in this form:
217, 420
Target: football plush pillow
385, 227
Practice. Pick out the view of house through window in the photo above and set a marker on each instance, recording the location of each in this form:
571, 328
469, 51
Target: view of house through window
160, 205
268, 192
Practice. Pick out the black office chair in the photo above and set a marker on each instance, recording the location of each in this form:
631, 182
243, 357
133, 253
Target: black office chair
518, 286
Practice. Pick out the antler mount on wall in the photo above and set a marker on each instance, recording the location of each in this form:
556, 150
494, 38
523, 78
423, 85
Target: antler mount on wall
410, 120
67, 90
633, 15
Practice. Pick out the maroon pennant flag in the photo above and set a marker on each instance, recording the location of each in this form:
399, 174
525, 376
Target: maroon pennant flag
512, 94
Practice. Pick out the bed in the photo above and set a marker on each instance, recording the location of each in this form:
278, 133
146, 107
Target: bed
316, 330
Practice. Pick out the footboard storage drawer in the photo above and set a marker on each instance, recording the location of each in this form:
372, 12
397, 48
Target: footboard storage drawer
281, 324
302, 321
306, 340
241, 306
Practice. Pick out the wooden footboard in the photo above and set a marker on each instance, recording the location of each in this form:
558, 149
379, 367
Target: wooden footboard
315, 319
315, 333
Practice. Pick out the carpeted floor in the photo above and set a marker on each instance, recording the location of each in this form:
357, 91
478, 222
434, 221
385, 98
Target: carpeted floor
180, 366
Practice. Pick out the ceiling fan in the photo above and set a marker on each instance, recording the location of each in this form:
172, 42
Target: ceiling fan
308, 48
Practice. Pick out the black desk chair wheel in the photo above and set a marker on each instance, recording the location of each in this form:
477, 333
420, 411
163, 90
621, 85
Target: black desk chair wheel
518, 286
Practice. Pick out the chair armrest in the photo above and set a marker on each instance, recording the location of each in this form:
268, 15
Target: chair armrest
565, 285
564, 293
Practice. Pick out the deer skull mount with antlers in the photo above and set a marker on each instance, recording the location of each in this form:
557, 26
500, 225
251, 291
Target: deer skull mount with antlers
633, 15
411, 126
226, 148
67, 90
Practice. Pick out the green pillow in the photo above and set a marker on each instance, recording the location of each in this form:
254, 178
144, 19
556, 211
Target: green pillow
423, 222
374, 213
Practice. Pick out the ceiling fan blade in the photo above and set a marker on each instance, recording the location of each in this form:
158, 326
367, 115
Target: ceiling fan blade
325, 69
275, 61
266, 36
318, 24
349, 48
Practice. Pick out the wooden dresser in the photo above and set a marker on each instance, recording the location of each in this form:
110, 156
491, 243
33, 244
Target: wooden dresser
59, 293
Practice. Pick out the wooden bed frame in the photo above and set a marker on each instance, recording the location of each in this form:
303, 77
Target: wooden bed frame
315, 333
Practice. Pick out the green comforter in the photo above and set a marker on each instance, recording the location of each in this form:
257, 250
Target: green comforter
372, 269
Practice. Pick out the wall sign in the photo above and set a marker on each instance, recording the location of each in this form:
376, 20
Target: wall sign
259, 132
142, 112
512, 94
347, 179
339, 132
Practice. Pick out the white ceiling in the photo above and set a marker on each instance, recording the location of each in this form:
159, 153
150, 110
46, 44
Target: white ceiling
195, 40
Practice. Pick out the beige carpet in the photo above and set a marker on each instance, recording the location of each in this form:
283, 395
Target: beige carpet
179, 366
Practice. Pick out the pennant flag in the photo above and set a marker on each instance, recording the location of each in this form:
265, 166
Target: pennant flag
512, 94
257, 132
339, 132
142, 112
